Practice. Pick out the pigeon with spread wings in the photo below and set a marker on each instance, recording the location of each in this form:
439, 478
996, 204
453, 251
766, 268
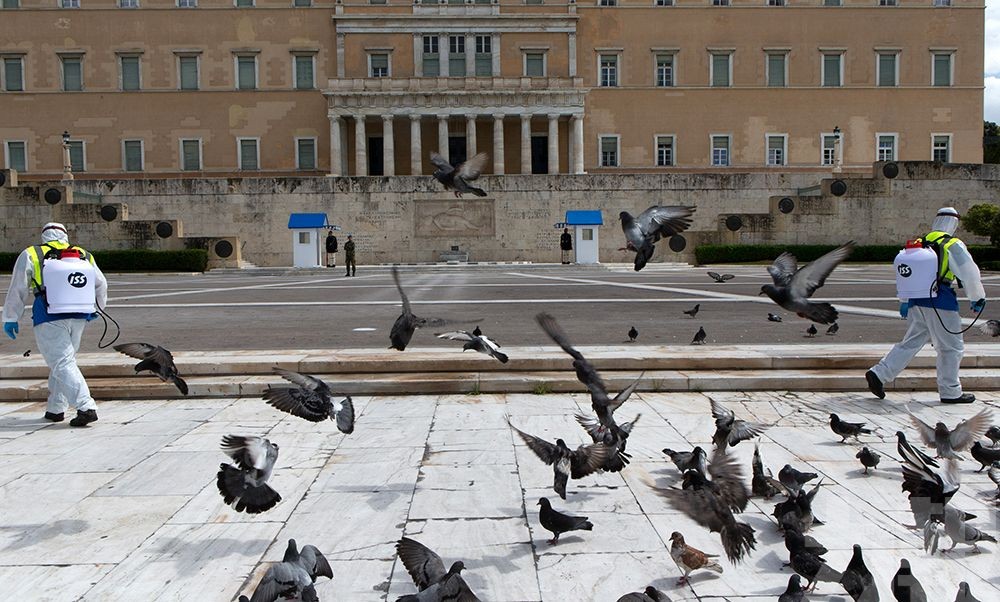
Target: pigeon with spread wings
457, 179
433, 582
793, 285
730, 430
311, 399
566, 463
643, 231
480, 343
720, 277
157, 360
947, 441
244, 486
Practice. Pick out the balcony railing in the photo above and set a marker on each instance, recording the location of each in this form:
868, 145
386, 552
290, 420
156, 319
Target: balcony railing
453, 84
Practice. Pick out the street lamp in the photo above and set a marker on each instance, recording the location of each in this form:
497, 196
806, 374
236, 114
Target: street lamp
67, 164
837, 159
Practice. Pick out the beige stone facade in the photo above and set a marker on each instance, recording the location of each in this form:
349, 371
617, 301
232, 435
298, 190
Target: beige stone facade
213, 88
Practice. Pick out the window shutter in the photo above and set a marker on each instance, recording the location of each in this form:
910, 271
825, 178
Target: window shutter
16, 156
776, 70
304, 72
72, 74
130, 72
247, 72
13, 75
133, 155
720, 70
189, 73
307, 154
887, 69
831, 70
192, 155
248, 154
942, 69
76, 155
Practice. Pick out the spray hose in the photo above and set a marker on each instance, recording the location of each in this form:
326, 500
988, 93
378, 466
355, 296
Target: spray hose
105, 317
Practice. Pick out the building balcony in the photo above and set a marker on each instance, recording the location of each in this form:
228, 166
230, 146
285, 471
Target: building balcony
444, 85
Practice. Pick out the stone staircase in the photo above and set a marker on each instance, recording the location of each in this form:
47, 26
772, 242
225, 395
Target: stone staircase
530, 370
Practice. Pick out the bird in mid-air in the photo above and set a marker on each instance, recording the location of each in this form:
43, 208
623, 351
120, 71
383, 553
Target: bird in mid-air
157, 360
311, 399
694, 310
244, 486
457, 179
643, 231
833, 329
990, 328
793, 285
773, 317
434, 583
720, 277
481, 343
947, 441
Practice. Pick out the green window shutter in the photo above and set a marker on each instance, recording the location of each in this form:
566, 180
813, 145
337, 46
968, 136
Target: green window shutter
886, 70
13, 75
307, 154
301, 3
776, 70
133, 155
244, 3
534, 64
247, 72
248, 154
304, 73
484, 65
456, 65
130, 72
11, 4
72, 74
720, 70
189, 73
942, 69
432, 67
191, 155
16, 156
76, 155
831, 70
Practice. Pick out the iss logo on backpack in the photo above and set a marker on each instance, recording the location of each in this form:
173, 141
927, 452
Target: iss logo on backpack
904, 270
77, 280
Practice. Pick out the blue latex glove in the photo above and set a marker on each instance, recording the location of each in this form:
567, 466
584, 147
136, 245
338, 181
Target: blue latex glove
978, 306
904, 309
10, 329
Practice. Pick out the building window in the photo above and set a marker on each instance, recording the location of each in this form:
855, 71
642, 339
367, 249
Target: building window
886, 147
833, 3
305, 153
187, 3
77, 155
246, 72
249, 149
191, 154
431, 57
305, 69
69, 3
776, 149
302, 3
832, 69
829, 156
534, 64
13, 74
244, 3
941, 148
720, 2
721, 67
664, 151
188, 72
941, 65
664, 3
16, 155
775, 2
72, 72
132, 155
609, 151
887, 2
10, 4
607, 2
484, 56
720, 150
378, 64
887, 66
942, 2
128, 3
777, 68
664, 70
130, 78
456, 56
609, 70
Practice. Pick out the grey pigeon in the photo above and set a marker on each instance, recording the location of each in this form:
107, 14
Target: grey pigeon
642, 232
566, 463
773, 317
797, 510
990, 328
294, 576
157, 360
244, 486
994, 475
965, 594
650, 594
905, 587
696, 459
407, 323
480, 343
929, 491
794, 592
869, 458
433, 582
311, 399
960, 532
833, 328
720, 277
729, 430
761, 483
310, 558
793, 286
857, 580
949, 442
811, 331
457, 179
847, 430
809, 542
632, 334
694, 310
614, 437
984, 455
793, 480
806, 563
699, 337
993, 434
558, 523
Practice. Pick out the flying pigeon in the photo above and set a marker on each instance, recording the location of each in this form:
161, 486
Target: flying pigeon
650, 594
559, 523
794, 592
806, 563
793, 286
642, 232
811, 331
773, 317
689, 559
566, 463
407, 323
457, 179
984, 455
929, 491
949, 442
632, 334
427, 571
990, 328
858, 580
793, 480
869, 458
965, 594
761, 483
696, 459
244, 486
833, 328
846, 429
699, 337
310, 399
694, 310
993, 434
294, 576
905, 587
729, 430
157, 360
480, 343
720, 277
614, 437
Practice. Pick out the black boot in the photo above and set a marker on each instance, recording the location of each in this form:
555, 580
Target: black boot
54, 417
963, 398
84, 417
875, 385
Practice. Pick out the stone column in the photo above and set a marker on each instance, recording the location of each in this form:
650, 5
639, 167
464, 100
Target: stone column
470, 135
416, 157
577, 144
388, 147
498, 144
360, 147
470, 55
443, 136
570, 149
553, 144
336, 153
525, 143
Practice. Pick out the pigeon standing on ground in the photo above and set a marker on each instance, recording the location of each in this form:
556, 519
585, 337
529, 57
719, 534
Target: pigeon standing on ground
905, 587
559, 523
650, 594
869, 458
27, 353
632, 334
566, 463
696, 459
480, 343
811, 331
293, 577
773, 317
793, 286
244, 486
643, 231
965, 594
694, 310
689, 559
949, 442
760, 484
729, 430
993, 434
796, 511
434, 583
846, 429
793, 480
794, 592
720, 277
157, 360
312, 399
984, 455
833, 328
457, 179
961, 532
699, 337
990, 328
807, 563
994, 474
858, 580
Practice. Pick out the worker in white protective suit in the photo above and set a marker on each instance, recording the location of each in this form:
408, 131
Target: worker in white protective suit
937, 319
75, 285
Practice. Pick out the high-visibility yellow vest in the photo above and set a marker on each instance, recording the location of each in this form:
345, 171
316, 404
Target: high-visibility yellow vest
933, 238
36, 254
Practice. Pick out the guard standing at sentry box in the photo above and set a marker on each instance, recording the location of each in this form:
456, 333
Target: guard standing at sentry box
67, 284
926, 273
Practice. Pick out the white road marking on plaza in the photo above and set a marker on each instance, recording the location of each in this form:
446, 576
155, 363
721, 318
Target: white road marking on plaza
225, 289
364, 329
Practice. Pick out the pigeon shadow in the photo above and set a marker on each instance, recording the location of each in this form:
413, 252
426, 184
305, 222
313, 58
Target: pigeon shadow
505, 563
562, 539
184, 552
26, 536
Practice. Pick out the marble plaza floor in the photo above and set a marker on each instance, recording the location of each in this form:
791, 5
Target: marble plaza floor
128, 509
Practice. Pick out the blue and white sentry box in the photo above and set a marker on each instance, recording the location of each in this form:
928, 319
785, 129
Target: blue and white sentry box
308, 239
585, 224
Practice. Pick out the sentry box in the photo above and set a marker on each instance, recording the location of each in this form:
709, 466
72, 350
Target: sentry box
585, 225
309, 239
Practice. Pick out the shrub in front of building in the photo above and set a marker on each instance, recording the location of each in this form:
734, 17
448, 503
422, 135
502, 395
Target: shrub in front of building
137, 260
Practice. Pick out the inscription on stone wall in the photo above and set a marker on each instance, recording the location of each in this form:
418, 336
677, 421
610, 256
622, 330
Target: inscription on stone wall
433, 218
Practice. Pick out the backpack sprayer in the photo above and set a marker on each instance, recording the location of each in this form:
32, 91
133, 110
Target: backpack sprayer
68, 287
918, 274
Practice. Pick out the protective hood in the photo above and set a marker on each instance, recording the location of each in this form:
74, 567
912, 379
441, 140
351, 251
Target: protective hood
54, 231
946, 221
